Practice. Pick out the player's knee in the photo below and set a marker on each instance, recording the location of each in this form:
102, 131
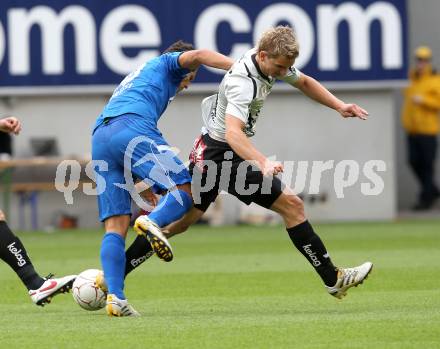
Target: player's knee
117, 224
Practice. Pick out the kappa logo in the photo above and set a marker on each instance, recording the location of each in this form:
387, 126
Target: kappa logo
136, 262
17, 253
312, 255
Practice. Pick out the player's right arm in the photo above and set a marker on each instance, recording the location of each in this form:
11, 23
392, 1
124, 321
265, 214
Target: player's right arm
242, 145
316, 91
10, 125
195, 58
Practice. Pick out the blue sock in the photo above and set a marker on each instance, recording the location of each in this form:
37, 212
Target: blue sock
113, 263
170, 209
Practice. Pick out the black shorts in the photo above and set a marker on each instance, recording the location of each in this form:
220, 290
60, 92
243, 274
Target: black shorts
214, 167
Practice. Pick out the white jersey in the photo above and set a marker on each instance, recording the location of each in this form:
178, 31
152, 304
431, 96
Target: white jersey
241, 94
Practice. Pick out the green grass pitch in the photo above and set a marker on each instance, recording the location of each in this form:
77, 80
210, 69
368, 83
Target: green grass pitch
241, 287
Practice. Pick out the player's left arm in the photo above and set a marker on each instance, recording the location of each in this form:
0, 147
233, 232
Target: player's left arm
316, 91
195, 58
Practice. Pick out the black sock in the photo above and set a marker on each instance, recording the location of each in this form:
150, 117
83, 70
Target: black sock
138, 252
13, 253
311, 246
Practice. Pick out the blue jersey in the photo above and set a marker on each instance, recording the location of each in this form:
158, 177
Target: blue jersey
148, 90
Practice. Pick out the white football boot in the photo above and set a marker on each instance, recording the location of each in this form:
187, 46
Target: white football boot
119, 307
50, 288
349, 277
150, 230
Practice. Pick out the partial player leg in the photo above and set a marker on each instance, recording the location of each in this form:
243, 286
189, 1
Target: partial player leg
184, 223
170, 208
113, 253
140, 250
113, 263
336, 280
291, 208
15, 255
12, 251
270, 194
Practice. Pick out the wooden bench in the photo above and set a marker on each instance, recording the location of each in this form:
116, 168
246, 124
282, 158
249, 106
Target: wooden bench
28, 194
28, 191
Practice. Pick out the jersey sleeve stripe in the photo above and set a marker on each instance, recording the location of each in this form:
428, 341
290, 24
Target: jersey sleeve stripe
253, 81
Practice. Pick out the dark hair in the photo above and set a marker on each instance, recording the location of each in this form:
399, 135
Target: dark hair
179, 46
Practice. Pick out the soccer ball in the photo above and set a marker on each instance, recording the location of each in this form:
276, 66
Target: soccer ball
85, 293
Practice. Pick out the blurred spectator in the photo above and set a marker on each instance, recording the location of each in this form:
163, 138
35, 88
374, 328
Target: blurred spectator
420, 117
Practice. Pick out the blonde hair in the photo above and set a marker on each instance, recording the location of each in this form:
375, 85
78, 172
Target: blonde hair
279, 41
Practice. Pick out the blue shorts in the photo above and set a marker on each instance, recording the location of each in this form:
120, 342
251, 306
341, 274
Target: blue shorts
131, 150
